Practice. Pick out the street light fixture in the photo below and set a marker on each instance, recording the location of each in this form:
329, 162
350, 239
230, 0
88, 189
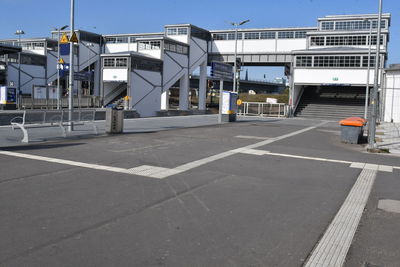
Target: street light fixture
19, 33
236, 25
58, 60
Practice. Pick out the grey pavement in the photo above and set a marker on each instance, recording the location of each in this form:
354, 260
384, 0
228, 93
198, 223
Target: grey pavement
10, 137
244, 209
389, 135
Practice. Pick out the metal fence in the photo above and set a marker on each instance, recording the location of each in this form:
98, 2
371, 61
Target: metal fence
262, 109
82, 102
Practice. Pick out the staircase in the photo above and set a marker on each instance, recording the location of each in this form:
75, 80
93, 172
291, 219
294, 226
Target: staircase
115, 94
331, 104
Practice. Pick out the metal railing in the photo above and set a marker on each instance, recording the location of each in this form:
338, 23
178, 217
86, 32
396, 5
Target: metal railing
263, 109
82, 102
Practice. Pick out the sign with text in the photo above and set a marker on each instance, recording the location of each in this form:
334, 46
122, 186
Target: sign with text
83, 76
39, 92
221, 70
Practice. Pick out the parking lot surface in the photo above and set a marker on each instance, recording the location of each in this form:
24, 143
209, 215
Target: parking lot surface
259, 192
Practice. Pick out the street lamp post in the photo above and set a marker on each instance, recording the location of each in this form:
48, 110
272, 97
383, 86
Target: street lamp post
374, 101
58, 60
19, 33
71, 69
368, 70
236, 24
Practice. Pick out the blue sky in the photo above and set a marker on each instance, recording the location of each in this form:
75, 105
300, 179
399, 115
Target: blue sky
37, 18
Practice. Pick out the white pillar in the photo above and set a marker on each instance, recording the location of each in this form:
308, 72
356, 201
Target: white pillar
184, 92
203, 86
165, 100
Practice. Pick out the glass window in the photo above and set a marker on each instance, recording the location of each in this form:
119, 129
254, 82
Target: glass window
300, 34
110, 39
109, 62
317, 41
365, 61
171, 31
373, 40
219, 36
182, 31
337, 61
176, 48
327, 25
285, 35
122, 40
149, 45
177, 31
251, 35
303, 61
358, 24
348, 40
267, 35
231, 36
121, 62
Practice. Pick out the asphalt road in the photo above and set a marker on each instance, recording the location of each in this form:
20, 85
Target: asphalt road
237, 209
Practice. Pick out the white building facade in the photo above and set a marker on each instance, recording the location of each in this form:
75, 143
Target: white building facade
331, 56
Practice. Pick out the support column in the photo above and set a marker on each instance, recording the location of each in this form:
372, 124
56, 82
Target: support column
184, 92
203, 86
165, 100
96, 79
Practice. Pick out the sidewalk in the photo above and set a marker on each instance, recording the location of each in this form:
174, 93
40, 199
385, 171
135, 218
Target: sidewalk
8, 137
389, 135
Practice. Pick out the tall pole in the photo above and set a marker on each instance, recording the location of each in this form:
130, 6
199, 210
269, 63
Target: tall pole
58, 71
19, 64
234, 63
71, 70
19, 33
368, 70
374, 101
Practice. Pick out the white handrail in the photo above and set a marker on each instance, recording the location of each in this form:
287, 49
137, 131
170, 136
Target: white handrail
262, 109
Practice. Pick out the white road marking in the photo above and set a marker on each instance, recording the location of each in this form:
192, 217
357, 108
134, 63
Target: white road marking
251, 137
389, 205
385, 168
335, 243
254, 152
358, 165
159, 172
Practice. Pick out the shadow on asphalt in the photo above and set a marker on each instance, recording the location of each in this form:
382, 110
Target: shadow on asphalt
41, 146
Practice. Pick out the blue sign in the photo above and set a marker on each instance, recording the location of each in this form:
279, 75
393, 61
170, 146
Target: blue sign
83, 76
64, 49
11, 95
63, 69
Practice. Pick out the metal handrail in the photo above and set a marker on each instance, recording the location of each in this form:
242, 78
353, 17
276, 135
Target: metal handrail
263, 109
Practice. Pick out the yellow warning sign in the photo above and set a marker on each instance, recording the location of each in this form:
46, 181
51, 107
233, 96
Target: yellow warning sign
73, 38
64, 39
239, 102
61, 61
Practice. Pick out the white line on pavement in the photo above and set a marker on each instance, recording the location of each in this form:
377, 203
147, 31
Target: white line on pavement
332, 248
251, 137
159, 172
